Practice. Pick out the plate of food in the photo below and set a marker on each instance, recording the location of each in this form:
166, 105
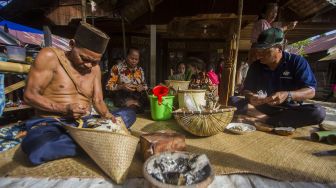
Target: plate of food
240, 128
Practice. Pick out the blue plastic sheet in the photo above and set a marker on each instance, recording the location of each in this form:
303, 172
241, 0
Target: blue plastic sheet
2, 93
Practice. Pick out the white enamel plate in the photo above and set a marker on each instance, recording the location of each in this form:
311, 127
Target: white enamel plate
240, 128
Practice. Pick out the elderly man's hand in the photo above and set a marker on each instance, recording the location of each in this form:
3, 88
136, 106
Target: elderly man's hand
277, 98
76, 110
111, 117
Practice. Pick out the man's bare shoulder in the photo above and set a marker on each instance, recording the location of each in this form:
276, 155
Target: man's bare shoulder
46, 59
96, 70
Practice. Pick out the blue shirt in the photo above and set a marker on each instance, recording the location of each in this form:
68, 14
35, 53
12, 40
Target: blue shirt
292, 73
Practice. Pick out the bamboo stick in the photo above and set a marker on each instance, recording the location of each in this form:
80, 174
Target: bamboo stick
15, 86
84, 11
123, 35
14, 67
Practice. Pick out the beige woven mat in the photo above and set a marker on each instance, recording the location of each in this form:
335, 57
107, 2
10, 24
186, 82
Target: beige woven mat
278, 157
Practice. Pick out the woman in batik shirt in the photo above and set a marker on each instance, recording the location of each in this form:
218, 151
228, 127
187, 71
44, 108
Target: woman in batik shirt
127, 83
199, 80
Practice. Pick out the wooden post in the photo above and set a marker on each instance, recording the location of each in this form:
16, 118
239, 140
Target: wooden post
84, 11
47, 36
124, 35
240, 15
227, 73
152, 55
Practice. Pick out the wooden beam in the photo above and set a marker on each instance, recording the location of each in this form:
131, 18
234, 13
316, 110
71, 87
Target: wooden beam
21, 107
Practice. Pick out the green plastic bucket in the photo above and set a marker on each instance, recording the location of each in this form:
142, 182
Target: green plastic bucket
163, 111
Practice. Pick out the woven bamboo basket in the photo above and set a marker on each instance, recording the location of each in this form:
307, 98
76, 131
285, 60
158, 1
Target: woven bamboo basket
112, 152
204, 123
157, 184
177, 84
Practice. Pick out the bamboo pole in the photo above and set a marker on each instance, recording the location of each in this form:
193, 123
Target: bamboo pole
124, 35
47, 36
153, 55
14, 67
84, 11
240, 15
15, 86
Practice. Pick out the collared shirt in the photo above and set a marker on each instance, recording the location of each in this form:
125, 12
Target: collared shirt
123, 74
292, 73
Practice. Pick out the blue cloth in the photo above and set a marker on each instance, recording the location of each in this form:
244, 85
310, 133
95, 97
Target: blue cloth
8, 136
3, 57
47, 140
128, 115
2, 94
292, 73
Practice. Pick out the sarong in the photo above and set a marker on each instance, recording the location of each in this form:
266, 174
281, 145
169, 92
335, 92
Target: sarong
47, 139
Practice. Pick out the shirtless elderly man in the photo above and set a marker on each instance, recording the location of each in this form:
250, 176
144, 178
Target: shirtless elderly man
62, 87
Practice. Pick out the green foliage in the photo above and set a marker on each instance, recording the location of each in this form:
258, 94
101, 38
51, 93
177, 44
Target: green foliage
301, 45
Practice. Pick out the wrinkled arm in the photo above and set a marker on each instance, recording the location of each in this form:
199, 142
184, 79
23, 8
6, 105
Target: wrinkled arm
98, 100
40, 75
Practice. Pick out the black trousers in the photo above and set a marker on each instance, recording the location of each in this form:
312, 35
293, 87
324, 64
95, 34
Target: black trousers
120, 97
288, 115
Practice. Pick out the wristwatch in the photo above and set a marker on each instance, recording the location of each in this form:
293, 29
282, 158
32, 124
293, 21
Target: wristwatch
289, 97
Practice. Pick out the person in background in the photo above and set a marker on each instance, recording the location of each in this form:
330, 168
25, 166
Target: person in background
200, 79
180, 72
277, 84
189, 71
219, 68
213, 78
127, 83
265, 21
241, 75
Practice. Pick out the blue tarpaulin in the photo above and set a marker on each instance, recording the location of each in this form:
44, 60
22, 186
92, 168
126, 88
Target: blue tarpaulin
18, 27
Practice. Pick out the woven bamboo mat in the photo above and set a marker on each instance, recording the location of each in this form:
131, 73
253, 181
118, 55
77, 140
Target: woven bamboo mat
278, 157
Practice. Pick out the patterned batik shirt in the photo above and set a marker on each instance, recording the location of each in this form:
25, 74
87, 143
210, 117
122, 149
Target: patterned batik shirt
123, 74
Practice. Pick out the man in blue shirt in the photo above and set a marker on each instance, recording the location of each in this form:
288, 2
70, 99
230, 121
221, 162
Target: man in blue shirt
277, 84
